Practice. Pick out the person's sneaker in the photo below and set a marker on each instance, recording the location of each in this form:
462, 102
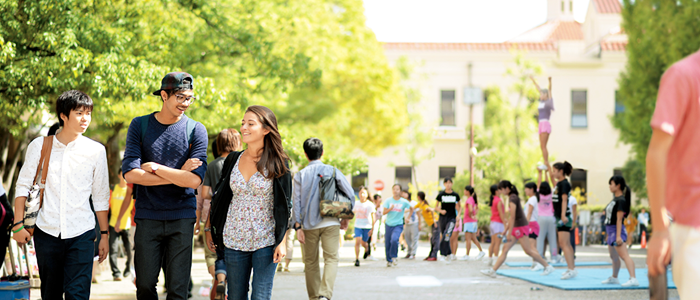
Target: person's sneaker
117, 278
631, 282
367, 253
452, 257
279, 267
548, 270
442, 258
541, 166
481, 255
220, 291
412, 257
371, 258
569, 274
407, 256
395, 262
538, 267
431, 259
489, 272
286, 269
357, 263
611, 280
389, 264
487, 260
323, 298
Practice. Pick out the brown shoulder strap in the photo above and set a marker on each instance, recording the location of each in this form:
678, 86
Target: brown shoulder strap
44, 165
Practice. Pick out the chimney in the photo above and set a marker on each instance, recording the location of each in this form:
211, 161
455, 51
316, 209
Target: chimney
560, 10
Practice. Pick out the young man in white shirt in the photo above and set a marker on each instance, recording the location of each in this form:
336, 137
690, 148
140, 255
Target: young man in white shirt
64, 236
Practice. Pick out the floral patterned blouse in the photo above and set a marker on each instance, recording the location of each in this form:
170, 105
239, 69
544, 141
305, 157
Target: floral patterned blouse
250, 222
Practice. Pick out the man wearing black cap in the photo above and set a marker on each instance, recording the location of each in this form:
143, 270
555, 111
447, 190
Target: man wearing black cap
165, 158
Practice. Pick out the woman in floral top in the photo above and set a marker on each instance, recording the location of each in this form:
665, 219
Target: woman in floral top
254, 193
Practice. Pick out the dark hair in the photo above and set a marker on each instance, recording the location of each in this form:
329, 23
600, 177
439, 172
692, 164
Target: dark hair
313, 148
447, 179
360, 192
471, 191
421, 197
214, 149
171, 92
545, 189
395, 184
533, 187
619, 180
506, 184
228, 140
273, 158
72, 100
565, 166
376, 196
407, 193
493, 189
53, 129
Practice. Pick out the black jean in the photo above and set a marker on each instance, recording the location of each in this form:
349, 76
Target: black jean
447, 225
163, 242
434, 240
114, 251
65, 265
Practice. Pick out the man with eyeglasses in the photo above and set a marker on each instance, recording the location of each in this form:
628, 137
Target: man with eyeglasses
165, 159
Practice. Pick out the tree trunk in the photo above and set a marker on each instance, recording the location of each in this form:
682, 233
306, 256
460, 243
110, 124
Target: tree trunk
114, 162
4, 149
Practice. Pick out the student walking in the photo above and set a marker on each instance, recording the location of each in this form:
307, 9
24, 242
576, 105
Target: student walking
376, 227
560, 200
517, 230
412, 228
616, 211
545, 220
470, 221
313, 228
431, 221
121, 191
448, 205
251, 207
497, 227
165, 158
394, 209
75, 168
531, 212
364, 218
672, 164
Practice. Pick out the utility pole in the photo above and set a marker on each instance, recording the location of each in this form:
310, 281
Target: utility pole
471, 132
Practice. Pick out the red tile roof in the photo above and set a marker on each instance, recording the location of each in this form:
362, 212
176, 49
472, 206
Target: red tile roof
567, 30
550, 31
608, 6
471, 46
613, 46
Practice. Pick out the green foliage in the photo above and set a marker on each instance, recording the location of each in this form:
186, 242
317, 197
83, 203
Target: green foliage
659, 33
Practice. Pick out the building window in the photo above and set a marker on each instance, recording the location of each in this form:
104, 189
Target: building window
619, 107
403, 177
447, 108
562, 7
358, 181
579, 109
447, 172
571, 6
617, 172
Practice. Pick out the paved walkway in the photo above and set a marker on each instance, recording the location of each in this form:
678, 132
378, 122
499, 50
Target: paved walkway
373, 280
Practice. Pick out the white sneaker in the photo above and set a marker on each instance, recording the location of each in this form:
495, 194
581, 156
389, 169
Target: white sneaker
466, 257
548, 270
487, 260
611, 280
542, 166
489, 272
631, 282
371, 258
481, 255
569, 274
453, 257
389, 264
491, 261
441, 258
537, 267
396, 262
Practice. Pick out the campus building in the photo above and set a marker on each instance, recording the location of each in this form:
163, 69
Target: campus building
585, 61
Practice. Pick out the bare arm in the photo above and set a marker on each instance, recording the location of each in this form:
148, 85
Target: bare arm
177, 177
659, 252
125, 206
501, 210
511, 218
530, 208
206, 192
550, 86
564, 203
535, 82
139, 176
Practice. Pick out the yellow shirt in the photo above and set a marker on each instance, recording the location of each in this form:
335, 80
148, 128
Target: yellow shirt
428, 216
116, 204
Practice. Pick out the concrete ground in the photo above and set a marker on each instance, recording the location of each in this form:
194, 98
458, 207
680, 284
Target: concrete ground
374, 280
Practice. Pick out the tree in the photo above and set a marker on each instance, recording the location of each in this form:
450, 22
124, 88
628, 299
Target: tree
659, 34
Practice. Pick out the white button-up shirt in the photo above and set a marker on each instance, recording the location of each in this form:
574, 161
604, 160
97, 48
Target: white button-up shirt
76, 171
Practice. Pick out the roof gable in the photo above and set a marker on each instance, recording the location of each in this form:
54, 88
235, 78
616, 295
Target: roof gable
607, 6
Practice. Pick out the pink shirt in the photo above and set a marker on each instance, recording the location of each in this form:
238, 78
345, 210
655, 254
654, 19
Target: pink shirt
544, 207
495, 216
467, 218
678, 114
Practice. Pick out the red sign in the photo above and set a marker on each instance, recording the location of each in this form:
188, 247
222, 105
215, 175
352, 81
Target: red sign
378, 185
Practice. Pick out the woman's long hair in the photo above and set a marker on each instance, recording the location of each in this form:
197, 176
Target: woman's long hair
471, 191
493, 189
273, 158
506, 184
533, 187
421, 198
619, 180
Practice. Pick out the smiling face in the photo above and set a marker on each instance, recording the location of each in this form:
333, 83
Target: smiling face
78, 121
363, 195
396, 190
172, 107
252, 130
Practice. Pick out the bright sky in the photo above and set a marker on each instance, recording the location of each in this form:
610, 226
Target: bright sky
457, 20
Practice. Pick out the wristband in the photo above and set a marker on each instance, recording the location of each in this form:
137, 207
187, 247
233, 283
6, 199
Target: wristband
104, 232
207, 229
20, 222
18, 229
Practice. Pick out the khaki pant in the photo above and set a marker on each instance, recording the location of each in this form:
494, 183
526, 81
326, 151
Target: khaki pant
317, 285
685, 244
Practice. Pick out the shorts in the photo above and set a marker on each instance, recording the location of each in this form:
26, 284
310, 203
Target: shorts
521, 231
545, 127
534, 229
565, 227
458, 226
470, 227
209, 257
611, 232
362, 233
496, 227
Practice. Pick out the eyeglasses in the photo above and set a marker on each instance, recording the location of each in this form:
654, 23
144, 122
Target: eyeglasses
182, 98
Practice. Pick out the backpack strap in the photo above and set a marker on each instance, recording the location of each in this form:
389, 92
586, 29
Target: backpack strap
144, 127
190, 131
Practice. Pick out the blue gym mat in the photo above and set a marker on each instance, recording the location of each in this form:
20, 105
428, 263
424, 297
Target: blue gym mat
587, 279
578, 264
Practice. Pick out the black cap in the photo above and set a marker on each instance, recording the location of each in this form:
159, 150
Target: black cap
176, 80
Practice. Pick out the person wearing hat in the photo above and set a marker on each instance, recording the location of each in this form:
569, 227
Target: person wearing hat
166, 159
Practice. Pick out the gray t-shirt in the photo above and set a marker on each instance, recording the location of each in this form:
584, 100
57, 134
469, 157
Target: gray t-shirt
213, 174
545, 109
